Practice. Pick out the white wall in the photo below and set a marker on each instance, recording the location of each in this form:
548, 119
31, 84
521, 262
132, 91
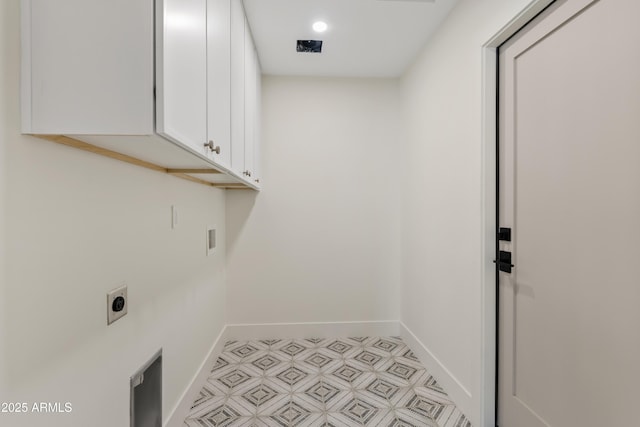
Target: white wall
442, 214
321, 242
75, 226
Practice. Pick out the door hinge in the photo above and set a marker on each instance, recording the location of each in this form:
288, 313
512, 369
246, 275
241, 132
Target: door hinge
504, 261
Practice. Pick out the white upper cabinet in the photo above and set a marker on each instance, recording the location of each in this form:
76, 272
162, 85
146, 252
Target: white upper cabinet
252, 110
237, 86
150, 81
87, 67
245, 88
181, 72
249, 101
257, 123
219, 80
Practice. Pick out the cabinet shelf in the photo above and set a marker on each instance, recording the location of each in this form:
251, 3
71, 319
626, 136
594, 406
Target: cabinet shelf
175, 161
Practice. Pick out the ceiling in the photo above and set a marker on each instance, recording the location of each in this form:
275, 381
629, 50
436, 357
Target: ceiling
365, 38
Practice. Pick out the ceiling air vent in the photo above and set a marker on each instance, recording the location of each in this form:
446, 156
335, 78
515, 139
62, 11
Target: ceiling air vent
313, 46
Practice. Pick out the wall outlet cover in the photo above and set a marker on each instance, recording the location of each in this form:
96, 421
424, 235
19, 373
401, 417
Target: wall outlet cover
117, 304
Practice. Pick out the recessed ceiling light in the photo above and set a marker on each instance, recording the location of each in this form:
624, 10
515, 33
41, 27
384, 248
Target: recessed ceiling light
320, 27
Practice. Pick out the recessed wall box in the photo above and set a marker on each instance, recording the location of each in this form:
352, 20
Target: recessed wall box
211, 239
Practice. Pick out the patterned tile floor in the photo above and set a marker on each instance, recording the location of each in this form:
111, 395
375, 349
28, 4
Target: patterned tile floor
322, 382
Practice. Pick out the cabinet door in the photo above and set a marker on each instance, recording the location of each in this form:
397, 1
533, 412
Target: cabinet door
219, 79
249, 101
237, 86
181, 72
257, 122
87, 66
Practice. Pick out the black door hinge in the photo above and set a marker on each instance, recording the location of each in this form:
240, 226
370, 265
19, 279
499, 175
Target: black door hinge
504, 261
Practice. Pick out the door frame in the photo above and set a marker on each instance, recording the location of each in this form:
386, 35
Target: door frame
489, 211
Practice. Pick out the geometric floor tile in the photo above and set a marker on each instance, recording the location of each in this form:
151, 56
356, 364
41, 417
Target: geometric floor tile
347, 373
401, 370
293, 349
322, 391
318, 360
221, 417
291, 414
291, 375
220, 363
359, 411
368, 358
409, 355
321, 382
432, 384
260, 395
270, 342
245, 351
266, 362
403, 422
205, 395
339, 347
425, 407
385, 345
382, 388
234, 378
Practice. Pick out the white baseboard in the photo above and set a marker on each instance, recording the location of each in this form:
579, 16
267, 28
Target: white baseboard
182, 408
454, 388
312, 330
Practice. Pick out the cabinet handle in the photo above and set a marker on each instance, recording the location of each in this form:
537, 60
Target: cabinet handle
213, 147
247, 173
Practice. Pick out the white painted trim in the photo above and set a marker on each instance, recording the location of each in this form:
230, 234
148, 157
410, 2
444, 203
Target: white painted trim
460, 395
517, 22
488, 212
313, 330
488, 239
25, 59
183, 406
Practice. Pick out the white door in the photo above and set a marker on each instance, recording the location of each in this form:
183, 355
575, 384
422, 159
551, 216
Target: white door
569, 313
181, 72
219, 80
